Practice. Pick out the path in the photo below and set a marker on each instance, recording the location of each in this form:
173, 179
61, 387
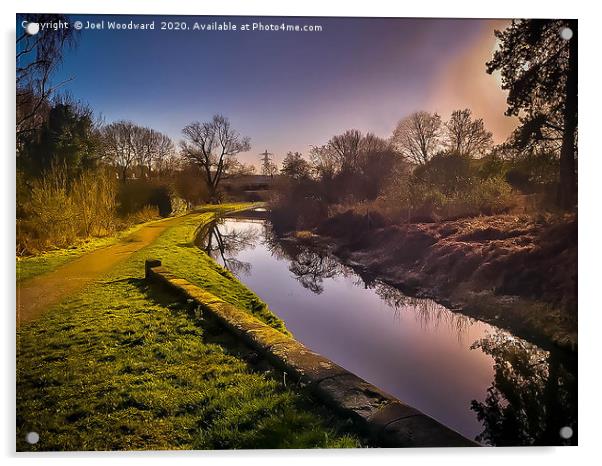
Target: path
38, 293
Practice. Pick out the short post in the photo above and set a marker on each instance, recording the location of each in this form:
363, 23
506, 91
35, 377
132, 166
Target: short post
150, 264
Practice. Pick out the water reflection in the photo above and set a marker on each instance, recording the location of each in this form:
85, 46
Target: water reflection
312, 265
427, 312
532, 396
223, 244
478, 379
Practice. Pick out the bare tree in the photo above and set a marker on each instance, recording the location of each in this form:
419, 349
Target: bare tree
169, 164
346, 148
417, 137
118, 146
140, 141
128, 147
150, 148
341, 154
213, 146
37, 57
323, 162
466, 136
165, 159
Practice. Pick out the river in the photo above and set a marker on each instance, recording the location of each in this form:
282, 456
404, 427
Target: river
473, 377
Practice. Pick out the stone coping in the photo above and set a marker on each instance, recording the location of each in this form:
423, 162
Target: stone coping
386, 420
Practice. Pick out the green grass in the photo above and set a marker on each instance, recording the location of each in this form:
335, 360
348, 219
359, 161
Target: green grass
178, 253
29, 267
124, 366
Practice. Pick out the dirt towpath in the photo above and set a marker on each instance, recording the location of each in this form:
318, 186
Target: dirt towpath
35, 295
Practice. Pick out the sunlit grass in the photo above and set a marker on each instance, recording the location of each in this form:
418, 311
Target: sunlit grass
124, 366
29, 267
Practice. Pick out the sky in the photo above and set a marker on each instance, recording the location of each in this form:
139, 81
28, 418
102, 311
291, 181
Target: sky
287, 91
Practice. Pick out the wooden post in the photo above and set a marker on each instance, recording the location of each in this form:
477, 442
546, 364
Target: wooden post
149, 264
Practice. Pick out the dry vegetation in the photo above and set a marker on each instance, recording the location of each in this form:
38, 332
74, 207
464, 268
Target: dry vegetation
518, 269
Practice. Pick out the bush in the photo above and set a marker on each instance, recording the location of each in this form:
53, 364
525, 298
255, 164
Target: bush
448, 186
135, 195
95, 195
147, 213
485, 197
190, 186
295, 206
448, 173
534, 172
56, 212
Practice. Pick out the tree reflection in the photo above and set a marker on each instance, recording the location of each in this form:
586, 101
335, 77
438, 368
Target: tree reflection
224, 244
430, 314
311, 268
532, 396
533, 392
310, 265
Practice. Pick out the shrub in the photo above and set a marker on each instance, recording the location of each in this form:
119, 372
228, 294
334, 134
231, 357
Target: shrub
137, 194
56, 212
485, 197
147, 213
190, 186
534, 172
95, 195
50, 215
447, 173
295, 206
448, 186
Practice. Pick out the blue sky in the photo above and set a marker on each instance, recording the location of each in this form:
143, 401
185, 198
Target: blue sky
285, 90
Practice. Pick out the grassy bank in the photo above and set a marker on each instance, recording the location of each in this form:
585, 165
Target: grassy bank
123, 366
517, 271
32, 266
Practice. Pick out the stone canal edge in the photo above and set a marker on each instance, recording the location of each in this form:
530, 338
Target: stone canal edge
385, 419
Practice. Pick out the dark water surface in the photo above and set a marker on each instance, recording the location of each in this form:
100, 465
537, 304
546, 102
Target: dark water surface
475, 378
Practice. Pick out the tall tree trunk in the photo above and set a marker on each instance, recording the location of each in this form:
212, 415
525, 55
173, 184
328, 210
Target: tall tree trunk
568, 176
213, 198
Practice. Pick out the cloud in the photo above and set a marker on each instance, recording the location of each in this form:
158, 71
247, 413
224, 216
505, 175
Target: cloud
463, 83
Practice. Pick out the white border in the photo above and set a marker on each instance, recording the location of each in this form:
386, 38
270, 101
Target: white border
590, 171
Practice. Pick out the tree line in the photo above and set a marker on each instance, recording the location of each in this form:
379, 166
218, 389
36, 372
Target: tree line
78, 176
427, 164
430, 168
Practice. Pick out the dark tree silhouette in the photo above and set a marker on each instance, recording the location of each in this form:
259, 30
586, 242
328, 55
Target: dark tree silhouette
295, 166
533, 394
465, 135
417, 137
37, 57
539, 69
67, 138
213, 146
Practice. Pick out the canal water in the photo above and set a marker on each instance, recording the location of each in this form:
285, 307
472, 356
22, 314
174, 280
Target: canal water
473, 377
